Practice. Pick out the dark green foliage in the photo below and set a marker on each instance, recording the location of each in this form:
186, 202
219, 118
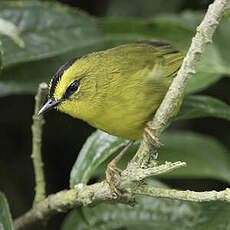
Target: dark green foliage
5, 216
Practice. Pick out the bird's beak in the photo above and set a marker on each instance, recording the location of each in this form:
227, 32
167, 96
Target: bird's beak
51, 103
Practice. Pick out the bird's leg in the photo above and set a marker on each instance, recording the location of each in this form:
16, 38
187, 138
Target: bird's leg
113, 173
152, 143
151, 137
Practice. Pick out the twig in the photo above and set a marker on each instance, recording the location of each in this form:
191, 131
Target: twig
133, 174
183, 195
38, 122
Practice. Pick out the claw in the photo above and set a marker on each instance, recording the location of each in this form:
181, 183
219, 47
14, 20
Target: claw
113, 173
149, 133
112, 177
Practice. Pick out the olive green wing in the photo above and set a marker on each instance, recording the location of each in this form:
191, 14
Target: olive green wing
168, 58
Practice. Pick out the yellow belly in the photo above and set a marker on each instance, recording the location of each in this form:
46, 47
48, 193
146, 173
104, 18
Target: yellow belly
126, 114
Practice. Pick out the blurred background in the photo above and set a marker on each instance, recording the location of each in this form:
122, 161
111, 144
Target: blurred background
64, 136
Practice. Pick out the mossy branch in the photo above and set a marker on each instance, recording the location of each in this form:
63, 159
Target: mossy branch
38, 122
85, 195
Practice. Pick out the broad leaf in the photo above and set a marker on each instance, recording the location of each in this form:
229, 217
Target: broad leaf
75, 221
1, 53
52, 33
117, 8
98, 147
211, 68
48, 29
5, 216
201, 81
221, 39
203, 106
205, 156
228, 14
9, 29
131, 29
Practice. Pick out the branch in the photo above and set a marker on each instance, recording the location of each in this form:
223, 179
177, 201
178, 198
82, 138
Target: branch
85, 195
88, 195
38, 122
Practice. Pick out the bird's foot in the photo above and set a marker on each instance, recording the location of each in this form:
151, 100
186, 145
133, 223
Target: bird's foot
113, 174
151, 137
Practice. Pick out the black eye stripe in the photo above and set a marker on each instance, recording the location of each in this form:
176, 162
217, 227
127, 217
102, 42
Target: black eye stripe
60, 72
73, 87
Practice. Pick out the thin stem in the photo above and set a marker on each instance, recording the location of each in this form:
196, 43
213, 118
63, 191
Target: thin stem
38, 122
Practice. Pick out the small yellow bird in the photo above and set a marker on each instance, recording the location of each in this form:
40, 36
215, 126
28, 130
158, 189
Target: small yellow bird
117, 90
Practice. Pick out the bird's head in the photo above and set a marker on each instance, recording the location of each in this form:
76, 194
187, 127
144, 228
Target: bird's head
69, 87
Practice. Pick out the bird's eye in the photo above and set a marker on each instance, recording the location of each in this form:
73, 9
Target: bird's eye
71, 89
74, 86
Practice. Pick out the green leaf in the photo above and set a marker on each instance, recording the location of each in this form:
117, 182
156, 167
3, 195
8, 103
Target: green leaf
5, 216
221, 39
203, 106
213, 216
9, 29
98, 147
201, 81
48, 29
75, 221
52, 33
211, 69
205, 156
1, 53
132, 29
121, 8
228, 14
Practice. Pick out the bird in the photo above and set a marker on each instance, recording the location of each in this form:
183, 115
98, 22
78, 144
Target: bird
117, 90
